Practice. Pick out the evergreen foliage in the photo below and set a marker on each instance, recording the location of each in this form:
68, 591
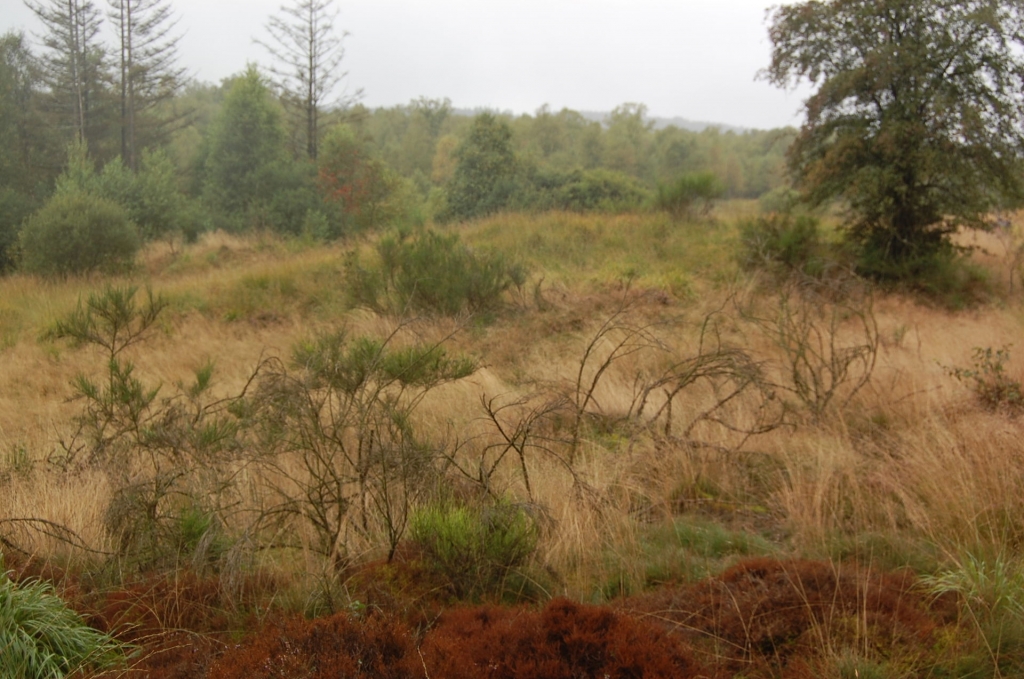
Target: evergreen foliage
485, 177
476, 550
691, 193
251, 181
432, 272
308, 52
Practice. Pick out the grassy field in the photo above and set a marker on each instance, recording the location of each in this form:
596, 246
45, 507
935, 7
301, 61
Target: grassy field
661, 417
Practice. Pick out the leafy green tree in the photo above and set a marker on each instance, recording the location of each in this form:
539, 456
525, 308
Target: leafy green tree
77, 233
352, 179
485, 177
150, 197
629, 140
917, 122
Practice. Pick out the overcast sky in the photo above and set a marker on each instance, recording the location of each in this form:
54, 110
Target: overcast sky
696, 59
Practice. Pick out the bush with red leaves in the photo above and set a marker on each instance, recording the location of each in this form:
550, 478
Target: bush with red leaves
338, 646
765, 611
564, 641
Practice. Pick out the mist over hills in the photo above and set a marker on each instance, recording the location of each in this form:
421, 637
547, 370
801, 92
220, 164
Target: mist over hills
659, 122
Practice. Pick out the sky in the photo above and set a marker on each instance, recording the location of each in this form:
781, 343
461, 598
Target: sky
695, 59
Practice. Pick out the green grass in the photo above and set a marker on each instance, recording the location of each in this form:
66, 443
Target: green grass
41, 638
685, 549
652, 248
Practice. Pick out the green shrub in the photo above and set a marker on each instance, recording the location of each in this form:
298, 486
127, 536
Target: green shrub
941, 272
782, 242
41, 638
779, 199
14, 208
478, 551
432, 272
988, 380
600, 190
76, 233
693, 193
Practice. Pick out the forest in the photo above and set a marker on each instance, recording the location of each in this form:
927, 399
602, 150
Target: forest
194, 158
295, 387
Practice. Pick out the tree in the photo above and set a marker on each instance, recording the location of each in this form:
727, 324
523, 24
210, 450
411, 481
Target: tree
74, 65
147, 72
309, 53
484, 179
247, 152
350, 177
917, 122
628, 140
29, 159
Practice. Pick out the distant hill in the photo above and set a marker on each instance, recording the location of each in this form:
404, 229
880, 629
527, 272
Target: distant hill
601, 116
662, 123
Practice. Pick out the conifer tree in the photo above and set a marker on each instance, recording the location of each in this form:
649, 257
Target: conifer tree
308, 52
74, 65
147, 71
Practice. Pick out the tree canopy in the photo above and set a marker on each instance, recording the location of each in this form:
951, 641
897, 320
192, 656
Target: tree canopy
917, 122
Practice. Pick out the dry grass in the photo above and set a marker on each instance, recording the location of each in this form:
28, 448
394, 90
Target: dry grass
913, 457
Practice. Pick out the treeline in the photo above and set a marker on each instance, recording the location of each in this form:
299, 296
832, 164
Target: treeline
91, 141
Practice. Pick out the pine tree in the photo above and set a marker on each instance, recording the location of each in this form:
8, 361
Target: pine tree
148, 74
74, 65
308, 52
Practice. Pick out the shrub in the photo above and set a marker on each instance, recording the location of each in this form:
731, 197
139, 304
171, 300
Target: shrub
475, 550
779, 199
693, 193
782, 242
40, 637
432, 272
14, 208
585, 191
988, 380
338, 646
564, 641
943, 273
77, 233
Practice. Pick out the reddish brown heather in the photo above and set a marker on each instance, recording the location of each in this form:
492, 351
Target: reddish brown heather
762, 613
563, 641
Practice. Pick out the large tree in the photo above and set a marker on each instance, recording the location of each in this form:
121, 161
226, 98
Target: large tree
917, 121
307, 52
147, 70
74, 65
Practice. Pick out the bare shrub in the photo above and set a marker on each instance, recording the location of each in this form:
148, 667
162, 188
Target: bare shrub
828, 338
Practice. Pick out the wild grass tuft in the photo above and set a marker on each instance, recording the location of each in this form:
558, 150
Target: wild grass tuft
41, 638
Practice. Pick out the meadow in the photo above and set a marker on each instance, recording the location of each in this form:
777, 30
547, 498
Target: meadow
756, 475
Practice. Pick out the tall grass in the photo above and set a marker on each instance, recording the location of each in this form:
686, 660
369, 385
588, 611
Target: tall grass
912, 459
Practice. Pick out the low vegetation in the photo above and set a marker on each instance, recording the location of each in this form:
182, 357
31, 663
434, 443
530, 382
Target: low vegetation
697, 453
